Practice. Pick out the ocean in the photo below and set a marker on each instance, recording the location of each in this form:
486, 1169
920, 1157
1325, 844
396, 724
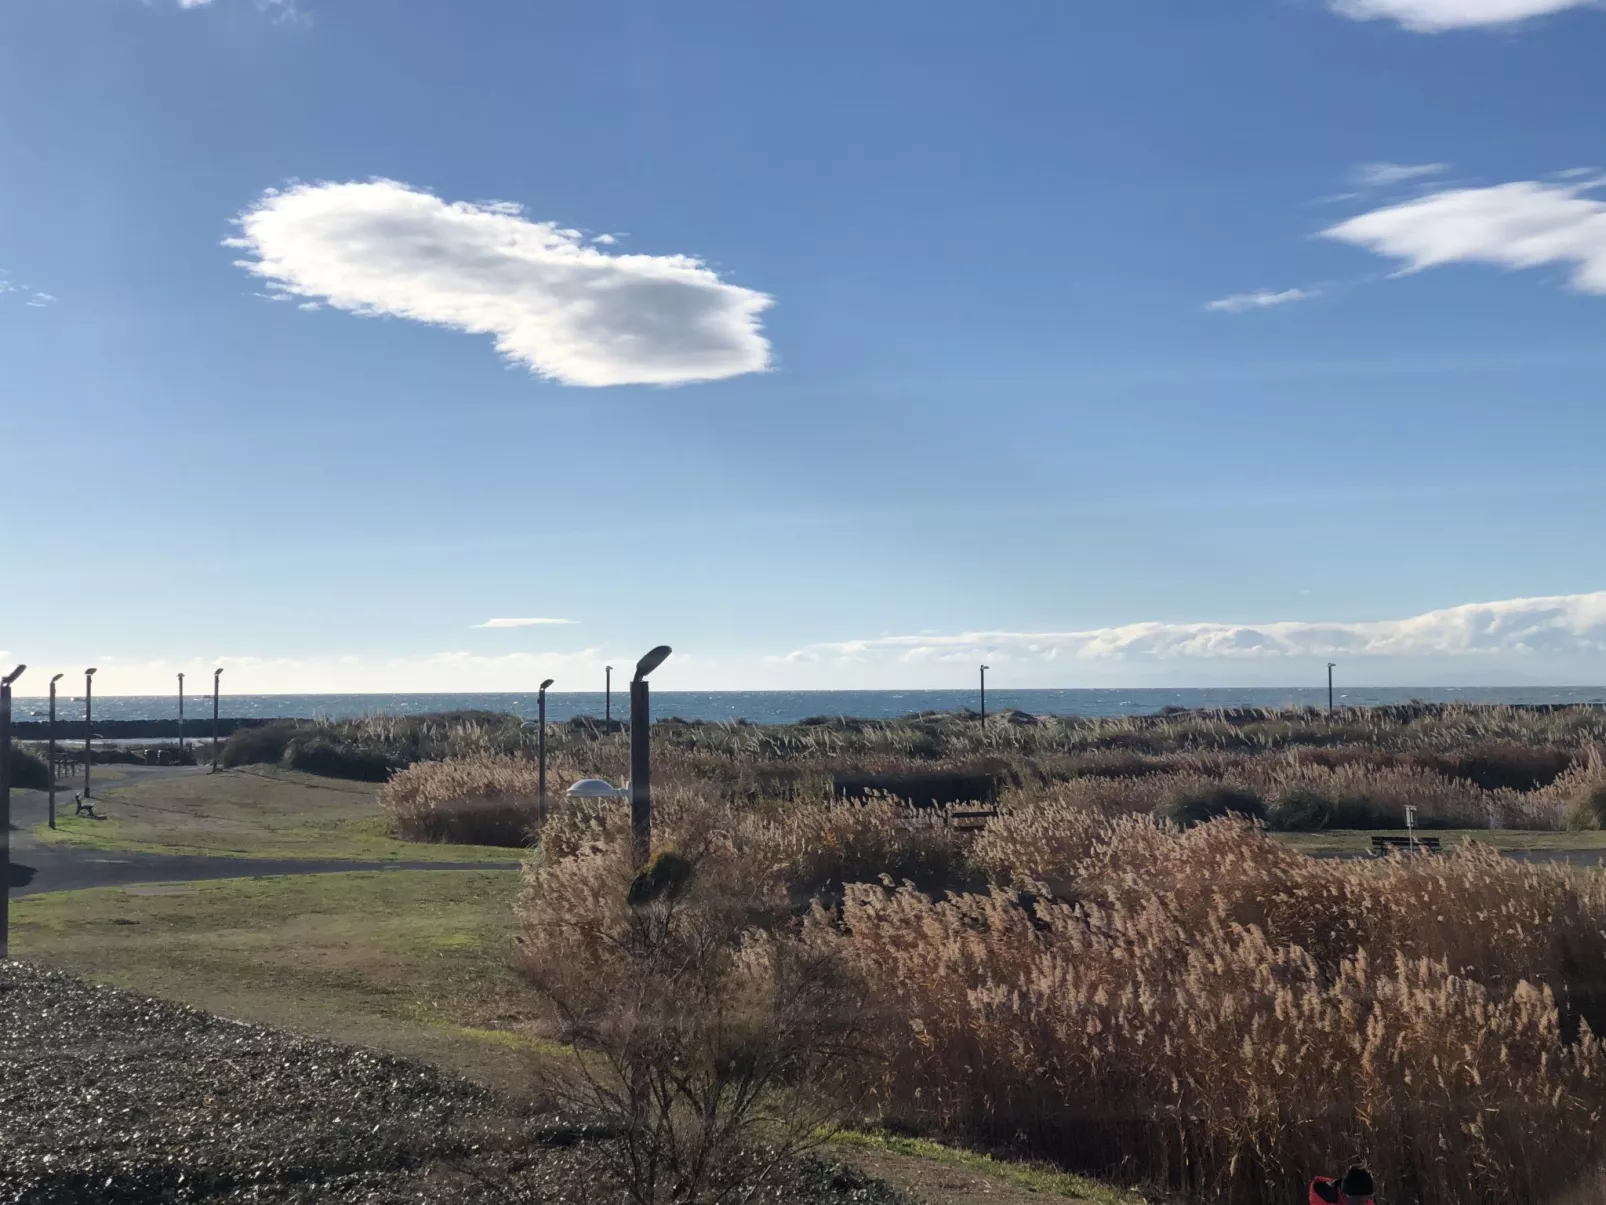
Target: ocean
787, 707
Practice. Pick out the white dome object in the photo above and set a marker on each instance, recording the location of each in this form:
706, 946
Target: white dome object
595, 788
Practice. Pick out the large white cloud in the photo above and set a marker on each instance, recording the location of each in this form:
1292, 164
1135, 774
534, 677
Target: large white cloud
1523, 224
552, 300
1436, 16
1566, 624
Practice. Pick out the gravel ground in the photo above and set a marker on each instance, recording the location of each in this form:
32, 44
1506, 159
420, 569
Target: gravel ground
111, 1097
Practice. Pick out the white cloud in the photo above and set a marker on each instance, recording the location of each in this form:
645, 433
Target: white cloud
1436, 16
522, 623
566, 309
1524, 224
1262, 299
1381, 175
39, 300
1567, 624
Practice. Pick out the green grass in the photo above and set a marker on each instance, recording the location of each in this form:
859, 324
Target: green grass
256, 813
1033, 1177
1360, 840
409, 961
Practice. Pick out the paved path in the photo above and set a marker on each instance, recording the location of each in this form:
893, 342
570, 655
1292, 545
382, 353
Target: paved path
38, 866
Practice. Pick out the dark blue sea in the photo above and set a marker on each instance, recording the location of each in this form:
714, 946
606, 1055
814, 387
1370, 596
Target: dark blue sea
785, 707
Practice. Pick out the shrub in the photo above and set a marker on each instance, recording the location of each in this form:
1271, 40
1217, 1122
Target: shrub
28, 770
1361, 796
258, 746
712, 1046
487, 800
317, 754
1191, 804
1588, 808
1501, 765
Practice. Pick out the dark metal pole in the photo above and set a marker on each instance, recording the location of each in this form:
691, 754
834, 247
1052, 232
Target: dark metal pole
540, 710
640, 772
216, 674
1330, 665
984, 695
52, 737
607, 698
89, 726
5, 810
641, 755
181, 713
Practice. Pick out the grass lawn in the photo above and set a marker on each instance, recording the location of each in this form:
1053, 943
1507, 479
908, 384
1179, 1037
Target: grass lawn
1360, 841
413, 962
260, 812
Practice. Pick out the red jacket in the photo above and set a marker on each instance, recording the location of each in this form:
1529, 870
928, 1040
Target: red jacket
1324, 1191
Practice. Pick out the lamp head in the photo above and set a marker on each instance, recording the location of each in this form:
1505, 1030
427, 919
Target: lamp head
12, 676
545, 684
89, 673
57, 678
217, 673
181, 677
652, 661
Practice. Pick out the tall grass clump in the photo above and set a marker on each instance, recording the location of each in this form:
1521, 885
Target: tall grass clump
1222, 1016
486, 800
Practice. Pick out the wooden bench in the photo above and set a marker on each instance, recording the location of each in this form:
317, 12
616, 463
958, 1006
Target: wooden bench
1384, 845
969, 820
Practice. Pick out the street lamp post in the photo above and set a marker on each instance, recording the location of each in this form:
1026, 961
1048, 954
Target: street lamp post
641, 755
5, 809
89, 727
1330, 666
216, 674
540, 711
607, 698
51, 740
181, 713
984, 696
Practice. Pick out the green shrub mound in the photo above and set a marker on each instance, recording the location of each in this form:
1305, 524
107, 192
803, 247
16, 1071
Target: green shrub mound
28, 770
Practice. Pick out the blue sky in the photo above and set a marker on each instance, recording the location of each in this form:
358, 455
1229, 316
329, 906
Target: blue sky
834, 344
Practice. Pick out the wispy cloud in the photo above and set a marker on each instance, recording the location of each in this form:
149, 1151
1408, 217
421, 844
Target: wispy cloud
523, 623
1262, 299
1381, 175
1437, 16
1565, 624
34, 297
279, 10
1524, 224
553, 301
